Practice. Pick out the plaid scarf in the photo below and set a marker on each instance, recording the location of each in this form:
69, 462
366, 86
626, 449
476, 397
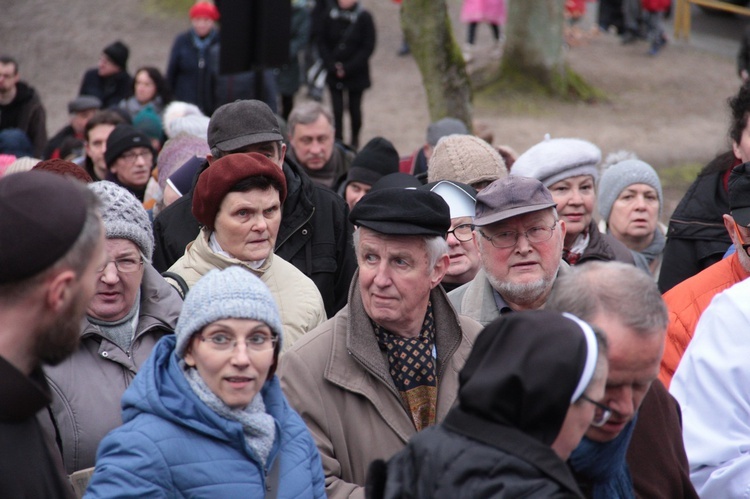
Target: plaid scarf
413, 369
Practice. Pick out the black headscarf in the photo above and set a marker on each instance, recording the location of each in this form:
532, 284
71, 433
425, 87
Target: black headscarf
523, 371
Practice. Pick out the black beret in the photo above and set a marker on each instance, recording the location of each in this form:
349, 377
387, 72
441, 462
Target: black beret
402, 212
41, 216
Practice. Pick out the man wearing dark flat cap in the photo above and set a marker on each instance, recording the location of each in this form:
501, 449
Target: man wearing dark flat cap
51, 243
386, 366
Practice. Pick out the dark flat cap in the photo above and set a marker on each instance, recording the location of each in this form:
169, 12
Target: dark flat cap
84, 103
398, 211
41, 216
242, 123
217, 180
739, 194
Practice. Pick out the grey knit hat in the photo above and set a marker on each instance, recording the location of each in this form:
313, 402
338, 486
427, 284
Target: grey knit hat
124, 216
553, 160
466, 159
621, 175
232, 293
444, 127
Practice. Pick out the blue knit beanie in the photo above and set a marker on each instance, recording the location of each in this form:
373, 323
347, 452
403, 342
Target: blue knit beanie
619, 176
232, 293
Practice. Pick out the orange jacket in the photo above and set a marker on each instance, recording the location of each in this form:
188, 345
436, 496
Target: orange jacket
687, 301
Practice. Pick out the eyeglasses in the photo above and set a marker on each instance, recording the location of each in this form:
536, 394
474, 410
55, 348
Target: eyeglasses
602, 414
132, 156
462, 232
124, 265
509, 238
256, 342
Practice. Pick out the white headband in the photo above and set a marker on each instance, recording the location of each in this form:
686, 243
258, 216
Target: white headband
592, 352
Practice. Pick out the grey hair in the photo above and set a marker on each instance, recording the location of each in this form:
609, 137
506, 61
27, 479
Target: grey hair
612, 288
306, 113
77, 257
435, 246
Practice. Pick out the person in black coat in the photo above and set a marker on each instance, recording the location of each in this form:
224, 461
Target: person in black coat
315, 234
110, 80
526, 396
347, 40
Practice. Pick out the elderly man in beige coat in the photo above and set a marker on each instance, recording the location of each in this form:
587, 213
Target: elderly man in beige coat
386, 366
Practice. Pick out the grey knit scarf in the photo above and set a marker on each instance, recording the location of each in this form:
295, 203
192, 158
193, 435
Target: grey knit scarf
258, 426
120, 332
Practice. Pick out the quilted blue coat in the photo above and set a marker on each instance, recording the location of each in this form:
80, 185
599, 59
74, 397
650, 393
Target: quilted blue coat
173, 445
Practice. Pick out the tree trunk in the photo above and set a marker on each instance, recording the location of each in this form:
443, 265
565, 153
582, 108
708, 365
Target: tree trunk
428, 31
533, 57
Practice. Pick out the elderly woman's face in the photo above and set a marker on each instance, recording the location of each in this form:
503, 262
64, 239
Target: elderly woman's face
118, 282
233, 357
634, 215
247, 223
575, 198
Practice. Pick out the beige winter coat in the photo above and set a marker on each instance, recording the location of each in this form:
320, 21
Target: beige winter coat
337, 378
299, 301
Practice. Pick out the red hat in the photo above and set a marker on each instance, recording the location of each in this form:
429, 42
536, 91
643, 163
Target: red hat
204, 9
217, 180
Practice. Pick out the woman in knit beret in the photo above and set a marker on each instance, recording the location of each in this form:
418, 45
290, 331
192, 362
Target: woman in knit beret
568, 168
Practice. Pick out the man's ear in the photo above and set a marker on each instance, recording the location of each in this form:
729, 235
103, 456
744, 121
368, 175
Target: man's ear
210, 158
438, 272
731, 229
60, 290
282, 154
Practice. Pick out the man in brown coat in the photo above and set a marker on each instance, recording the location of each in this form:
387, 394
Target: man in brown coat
386, 366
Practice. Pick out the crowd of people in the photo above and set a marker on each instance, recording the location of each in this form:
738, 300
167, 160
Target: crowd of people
211, 300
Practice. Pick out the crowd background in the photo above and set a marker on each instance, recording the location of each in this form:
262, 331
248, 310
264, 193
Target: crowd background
648, 96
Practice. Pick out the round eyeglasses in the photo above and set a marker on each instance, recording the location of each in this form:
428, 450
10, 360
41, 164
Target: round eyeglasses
602, 413
256, 342
509, 238
462, 232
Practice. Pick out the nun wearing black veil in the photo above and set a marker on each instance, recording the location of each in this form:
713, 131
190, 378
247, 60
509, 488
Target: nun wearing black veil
527, 394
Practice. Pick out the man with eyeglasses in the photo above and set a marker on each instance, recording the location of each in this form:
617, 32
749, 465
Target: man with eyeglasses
130, 160
520, 241
637, 450
132, 308
687, 300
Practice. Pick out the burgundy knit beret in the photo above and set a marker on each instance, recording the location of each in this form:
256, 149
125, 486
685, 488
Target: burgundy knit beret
41, 216
217, 180
65, 168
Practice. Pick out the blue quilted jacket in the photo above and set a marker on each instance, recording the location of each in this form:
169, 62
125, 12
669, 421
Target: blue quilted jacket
173, 445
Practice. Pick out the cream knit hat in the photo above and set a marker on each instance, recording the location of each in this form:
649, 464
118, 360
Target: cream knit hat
467, 159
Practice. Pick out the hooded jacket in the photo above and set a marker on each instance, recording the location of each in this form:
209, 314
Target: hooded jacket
300, 305
173, 445
87, 386
315, 235
26, 113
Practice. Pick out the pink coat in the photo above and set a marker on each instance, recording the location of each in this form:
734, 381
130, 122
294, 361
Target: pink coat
483, 11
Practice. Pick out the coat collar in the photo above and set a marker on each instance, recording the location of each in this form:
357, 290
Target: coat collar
356, 359
22, 396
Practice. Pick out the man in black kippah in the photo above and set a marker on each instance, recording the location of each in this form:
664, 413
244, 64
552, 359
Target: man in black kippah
386, 366
51, 243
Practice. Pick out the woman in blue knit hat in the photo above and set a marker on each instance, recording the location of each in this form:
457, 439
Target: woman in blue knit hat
206, 415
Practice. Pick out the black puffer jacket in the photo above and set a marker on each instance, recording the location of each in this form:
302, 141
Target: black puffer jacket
315, 235
441, 463
696, 236
348, 37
